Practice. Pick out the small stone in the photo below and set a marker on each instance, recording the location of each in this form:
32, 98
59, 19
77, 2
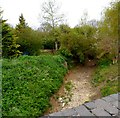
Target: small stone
63, 104
60, 100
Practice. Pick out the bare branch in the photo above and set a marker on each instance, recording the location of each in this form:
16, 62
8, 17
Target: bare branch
50, 14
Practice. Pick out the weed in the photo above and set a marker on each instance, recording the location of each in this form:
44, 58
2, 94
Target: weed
68, 86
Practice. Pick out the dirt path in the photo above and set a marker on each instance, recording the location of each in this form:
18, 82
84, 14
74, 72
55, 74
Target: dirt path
76, 89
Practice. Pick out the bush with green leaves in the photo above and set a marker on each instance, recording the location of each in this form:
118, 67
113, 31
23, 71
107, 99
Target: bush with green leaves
48, 43
79, 42
30, 41
104, 61
65, 52
28, 82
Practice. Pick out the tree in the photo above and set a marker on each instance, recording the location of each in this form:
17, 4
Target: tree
30, 41
9, 45
22, 24
51, 18
108, 31
84, 19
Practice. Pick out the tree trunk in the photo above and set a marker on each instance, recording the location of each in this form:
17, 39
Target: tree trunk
56, 46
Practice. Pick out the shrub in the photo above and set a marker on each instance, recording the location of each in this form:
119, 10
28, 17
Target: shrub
65, 52
30, 41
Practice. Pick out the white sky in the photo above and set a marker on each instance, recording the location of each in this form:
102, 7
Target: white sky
73, 10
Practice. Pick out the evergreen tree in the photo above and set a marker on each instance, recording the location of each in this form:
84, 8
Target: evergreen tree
22, 24
28, 39
20, 31
9, 45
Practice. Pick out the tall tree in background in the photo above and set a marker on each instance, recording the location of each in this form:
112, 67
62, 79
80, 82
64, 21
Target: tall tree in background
51, 18
22, 24
20, 32
84, 19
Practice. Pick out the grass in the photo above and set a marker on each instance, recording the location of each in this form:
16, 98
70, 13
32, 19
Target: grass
28, 82
107, 78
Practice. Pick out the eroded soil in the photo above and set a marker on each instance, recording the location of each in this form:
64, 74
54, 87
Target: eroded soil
78, 91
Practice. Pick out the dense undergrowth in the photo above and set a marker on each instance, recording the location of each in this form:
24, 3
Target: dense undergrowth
28, 82
106, 77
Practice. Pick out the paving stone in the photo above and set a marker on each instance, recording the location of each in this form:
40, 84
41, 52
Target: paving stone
69, 112
115, 96
109, 99
99, 103
111, 110
100, 112
116, 104
44, 117
83, 111
118, 114
90, 105
56, 114
103, 104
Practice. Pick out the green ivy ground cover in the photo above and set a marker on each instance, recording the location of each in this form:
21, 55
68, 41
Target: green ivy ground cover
28, 82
